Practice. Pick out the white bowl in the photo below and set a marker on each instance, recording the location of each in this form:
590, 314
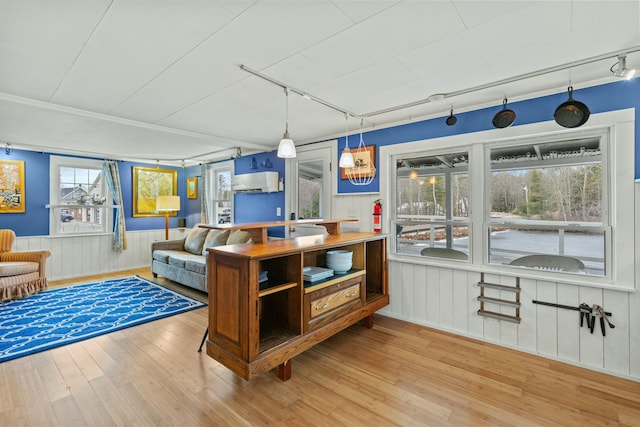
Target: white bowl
340, 261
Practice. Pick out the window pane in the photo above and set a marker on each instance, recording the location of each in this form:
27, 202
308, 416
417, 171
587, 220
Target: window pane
221, 207
223, 185
547, 201
413, 237
80, 186
432, 205
588, 246
310, 189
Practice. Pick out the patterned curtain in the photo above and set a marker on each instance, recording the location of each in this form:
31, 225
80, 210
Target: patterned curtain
111, 174
204, 199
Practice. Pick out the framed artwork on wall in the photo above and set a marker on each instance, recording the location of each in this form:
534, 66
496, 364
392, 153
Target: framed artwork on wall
148, 184
364, 158
192, 188
12, 199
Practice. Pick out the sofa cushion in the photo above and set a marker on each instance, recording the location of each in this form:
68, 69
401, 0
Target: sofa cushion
162, 256
15, 268
197, 266
215, 238
238, 236
178, 258
195, 239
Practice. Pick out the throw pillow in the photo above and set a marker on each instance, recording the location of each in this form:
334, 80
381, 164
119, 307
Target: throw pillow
195, 239
215, 238
238, 236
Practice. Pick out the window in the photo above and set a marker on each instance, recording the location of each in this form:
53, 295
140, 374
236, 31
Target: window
566, 197
220, 211
79, 197
432, 205
310, 188
548, 207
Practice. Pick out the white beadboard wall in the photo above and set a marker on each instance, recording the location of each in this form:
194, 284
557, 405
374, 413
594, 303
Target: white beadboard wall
446, 299
76, 256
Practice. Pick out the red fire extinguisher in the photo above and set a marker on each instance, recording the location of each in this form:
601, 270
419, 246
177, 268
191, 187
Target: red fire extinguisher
377, 214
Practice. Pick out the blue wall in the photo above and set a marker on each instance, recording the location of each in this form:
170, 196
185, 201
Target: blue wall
35, 220
250, 207
613, 96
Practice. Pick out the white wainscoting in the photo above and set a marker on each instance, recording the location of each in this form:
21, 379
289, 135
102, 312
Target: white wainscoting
446, 299
76, 256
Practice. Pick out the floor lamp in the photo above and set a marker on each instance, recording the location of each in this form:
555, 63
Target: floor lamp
167, 204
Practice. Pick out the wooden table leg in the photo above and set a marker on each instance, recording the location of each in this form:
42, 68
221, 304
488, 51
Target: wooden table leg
284, 370
368, 321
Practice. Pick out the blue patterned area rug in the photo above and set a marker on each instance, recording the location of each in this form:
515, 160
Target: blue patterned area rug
61, 316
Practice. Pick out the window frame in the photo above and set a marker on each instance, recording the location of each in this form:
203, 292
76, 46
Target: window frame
212, 187
603, 137
619, 124
55, 207
449, 220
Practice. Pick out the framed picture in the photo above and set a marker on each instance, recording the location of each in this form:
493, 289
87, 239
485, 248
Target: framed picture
12, 198
149, 183
364, 158
192, 188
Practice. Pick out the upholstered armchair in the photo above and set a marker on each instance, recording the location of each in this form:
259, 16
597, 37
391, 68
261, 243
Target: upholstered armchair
22, 273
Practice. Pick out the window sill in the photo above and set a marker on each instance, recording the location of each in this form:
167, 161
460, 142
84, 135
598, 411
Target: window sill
99, 233
562, 278
87, 205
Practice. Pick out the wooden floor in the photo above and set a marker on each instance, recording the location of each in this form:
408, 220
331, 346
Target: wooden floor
395, 374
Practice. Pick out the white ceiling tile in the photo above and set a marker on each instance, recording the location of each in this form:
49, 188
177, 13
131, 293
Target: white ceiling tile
39, 40
402, 28
261, 36
360, 10
132, 44
355, 91
474, 12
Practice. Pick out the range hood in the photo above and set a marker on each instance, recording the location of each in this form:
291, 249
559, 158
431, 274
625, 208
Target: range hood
265, 182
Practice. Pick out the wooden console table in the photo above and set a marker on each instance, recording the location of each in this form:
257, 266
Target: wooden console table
258, 326
258, 230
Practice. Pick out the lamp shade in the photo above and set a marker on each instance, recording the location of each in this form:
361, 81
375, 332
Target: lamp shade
167, 203
286, 148
346, 159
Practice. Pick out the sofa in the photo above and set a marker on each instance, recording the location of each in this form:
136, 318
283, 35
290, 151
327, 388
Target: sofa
22, 273
185, 260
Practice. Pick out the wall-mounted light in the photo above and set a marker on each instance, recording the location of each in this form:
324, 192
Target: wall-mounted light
622, 71
286, 148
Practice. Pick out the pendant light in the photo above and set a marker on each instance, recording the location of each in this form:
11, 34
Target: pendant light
346, 158
286, 148
365, 170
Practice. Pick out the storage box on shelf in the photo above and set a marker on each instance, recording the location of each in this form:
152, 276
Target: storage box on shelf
257, 326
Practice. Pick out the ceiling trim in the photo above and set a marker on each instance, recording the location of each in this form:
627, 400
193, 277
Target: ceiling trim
231, 143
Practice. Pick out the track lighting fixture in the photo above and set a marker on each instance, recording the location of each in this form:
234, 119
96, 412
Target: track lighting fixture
622, 71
